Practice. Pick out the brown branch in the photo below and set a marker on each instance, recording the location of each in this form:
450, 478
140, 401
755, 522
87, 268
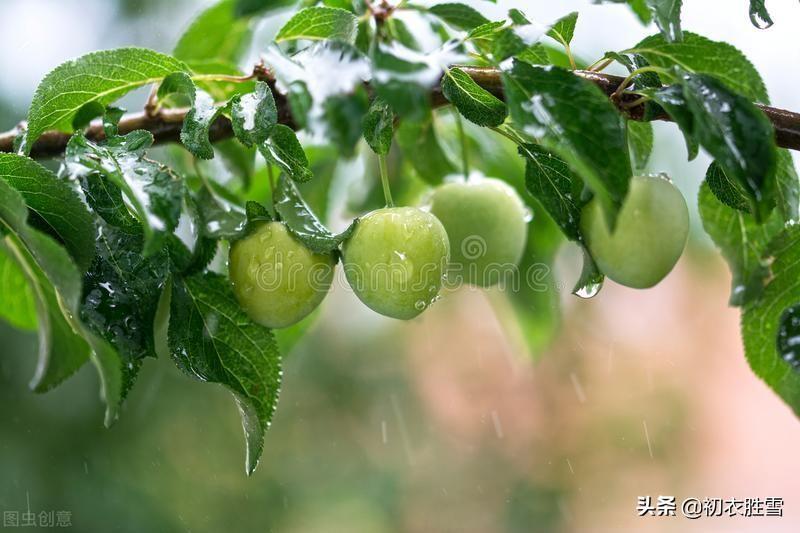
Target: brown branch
165, 125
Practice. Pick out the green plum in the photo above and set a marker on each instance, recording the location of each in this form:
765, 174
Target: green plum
649, 237
487, 223
276, 279
395, 260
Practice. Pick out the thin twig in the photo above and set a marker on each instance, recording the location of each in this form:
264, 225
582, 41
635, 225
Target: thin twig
166, 126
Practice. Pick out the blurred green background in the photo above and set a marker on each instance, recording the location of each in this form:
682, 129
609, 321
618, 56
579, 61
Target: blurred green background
462, 420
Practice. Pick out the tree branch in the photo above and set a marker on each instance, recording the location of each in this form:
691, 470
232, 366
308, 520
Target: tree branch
166, 124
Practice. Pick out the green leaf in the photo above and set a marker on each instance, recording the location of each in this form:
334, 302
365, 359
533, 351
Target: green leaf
737, 135
487, 31
459, 16
703, 56
119, 168
769, 321
17, 300
421, 146
99, 77
120, 296
56, 284
672, 100
62, 351
742, 242
507, 43
536, 54
344, 115
379, 127
667, 14
284, 150
216, 34
198, 121
640, 142
787, 192
573, 118
318, 23
474, 102
55, 206
550, 180
254, 115
212, 340
302, 222
564, 29
218, 217
400, 79
726, 190
759, 15
261, 7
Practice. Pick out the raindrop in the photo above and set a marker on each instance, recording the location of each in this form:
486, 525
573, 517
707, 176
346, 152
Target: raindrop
589, 290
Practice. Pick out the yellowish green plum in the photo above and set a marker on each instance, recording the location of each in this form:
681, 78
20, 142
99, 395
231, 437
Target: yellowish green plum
276, 279
395, 260
487, 223
649, 237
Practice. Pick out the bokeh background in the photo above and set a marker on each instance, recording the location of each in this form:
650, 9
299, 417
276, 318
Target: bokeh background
450, 422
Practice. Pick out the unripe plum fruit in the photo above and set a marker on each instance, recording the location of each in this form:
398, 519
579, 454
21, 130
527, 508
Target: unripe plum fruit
276, 279
649, 237
487, 223
395, 260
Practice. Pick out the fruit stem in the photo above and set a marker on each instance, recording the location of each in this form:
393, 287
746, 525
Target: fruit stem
387, 192
464, 148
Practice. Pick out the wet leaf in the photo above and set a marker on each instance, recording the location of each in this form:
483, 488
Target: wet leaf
574, 119
703, 56
379, 127
203, 113
302, 222
550, 180
742, 242
120, 296
54, 205
118, 169
284, 150
56, 281
254, 115
737, 135
766, 322
212, 340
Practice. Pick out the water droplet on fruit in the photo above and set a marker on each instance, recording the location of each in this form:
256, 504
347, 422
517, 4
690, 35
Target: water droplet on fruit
420, 305
528, 214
